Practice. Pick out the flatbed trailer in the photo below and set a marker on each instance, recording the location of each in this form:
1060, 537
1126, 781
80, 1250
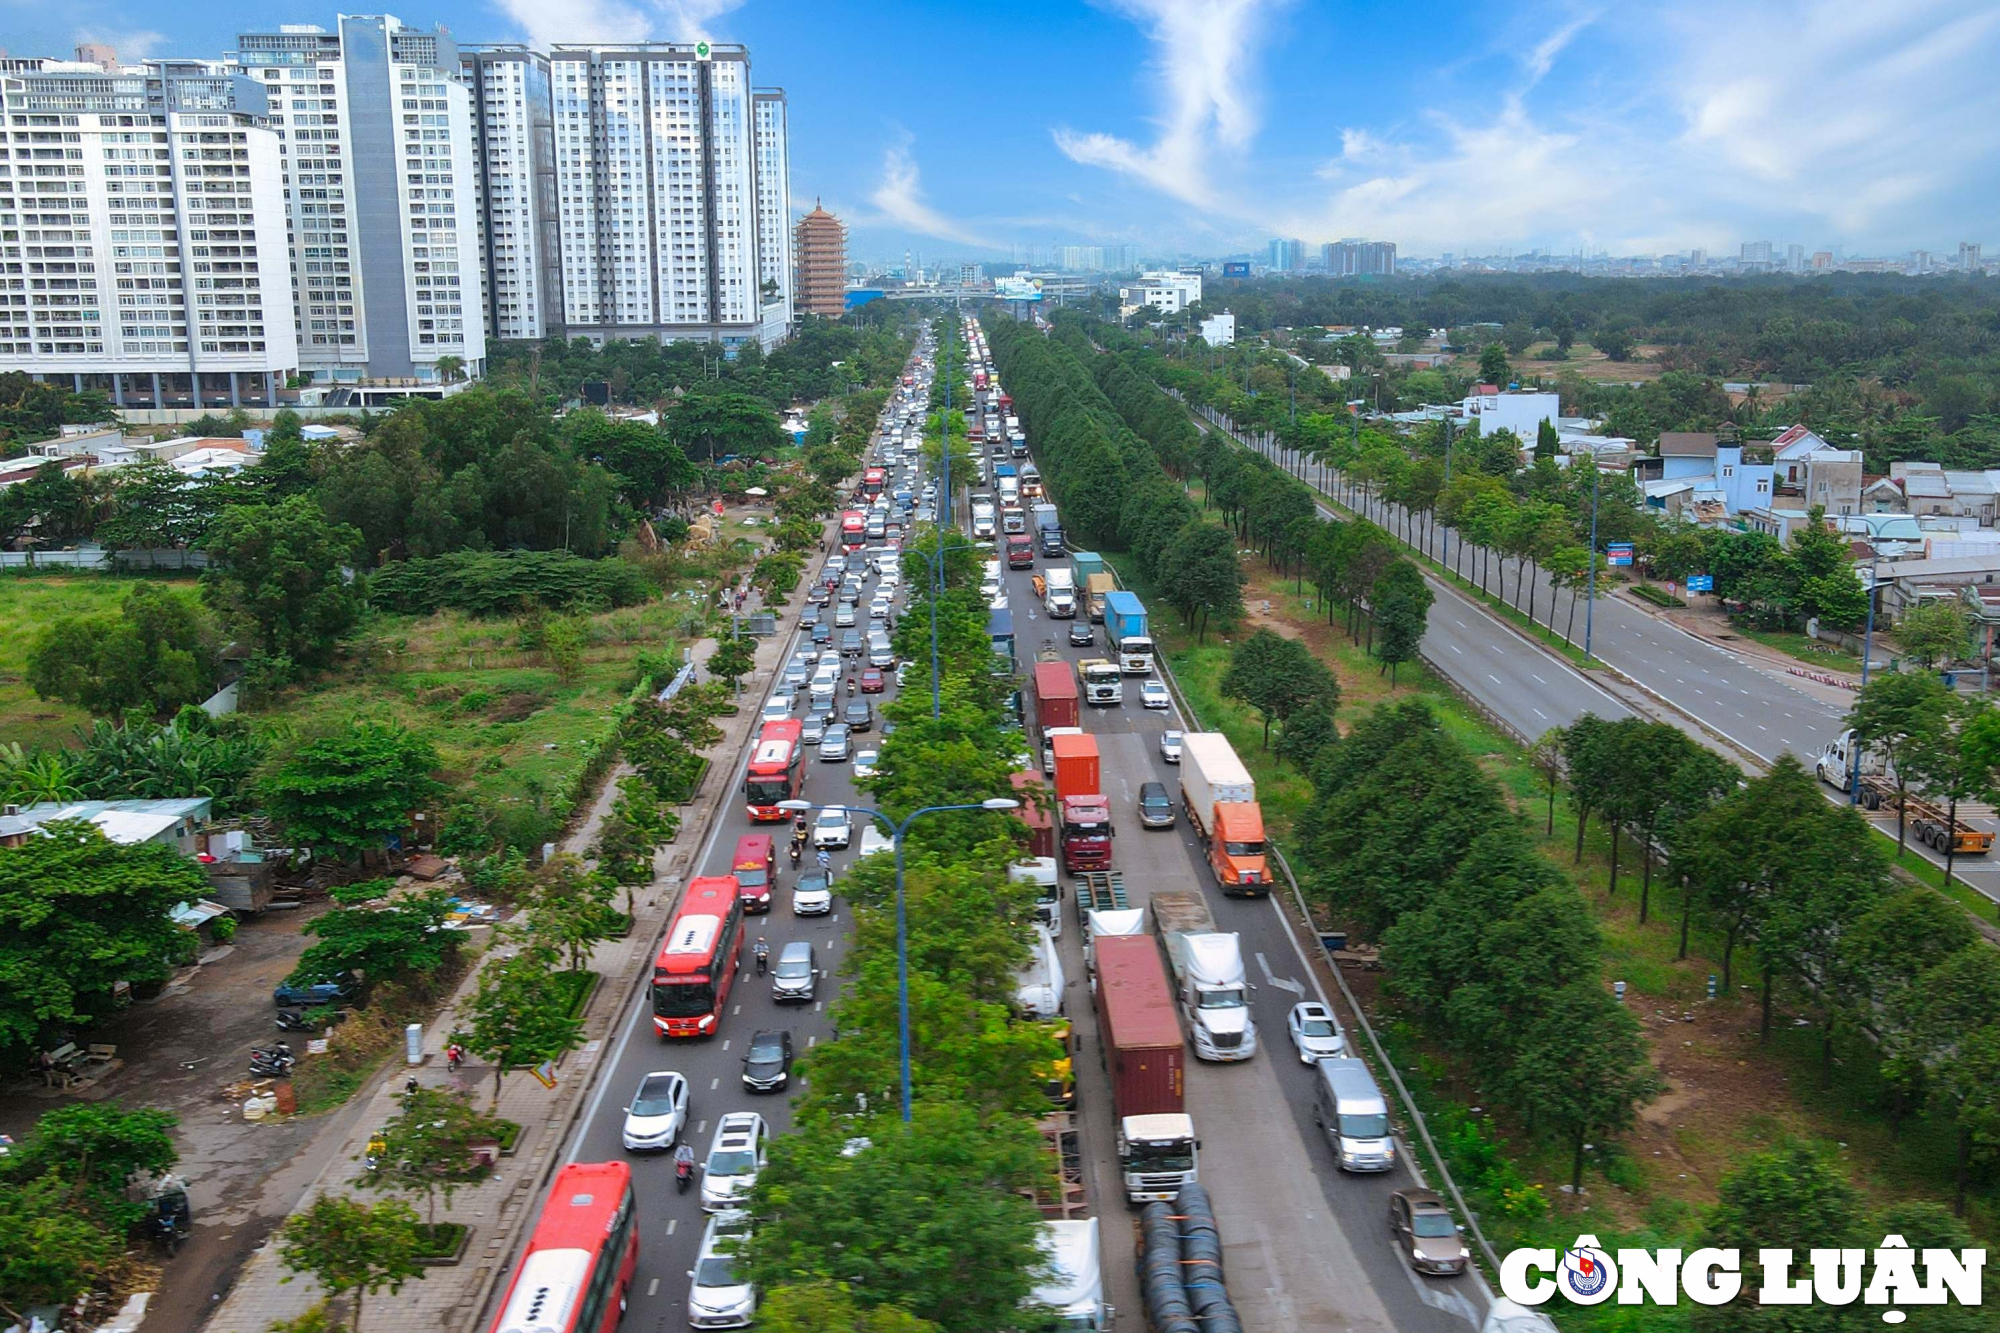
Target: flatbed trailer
1930, 821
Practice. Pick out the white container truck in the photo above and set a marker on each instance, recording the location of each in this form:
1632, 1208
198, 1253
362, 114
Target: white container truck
1060, 598
1205, 966
1039, 989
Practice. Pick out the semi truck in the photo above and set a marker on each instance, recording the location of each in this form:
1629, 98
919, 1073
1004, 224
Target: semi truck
1038, 989
1087, 563
1040, 871
1157, 1151
1103, 909
1220, 798
1083, 828
1102, 681
1059, 596
1055, 695
1012, 517
1073, 1288
982, 517
1879, 787
1020, 551
1035, 813
1205, 966
1099, 588
1125, 619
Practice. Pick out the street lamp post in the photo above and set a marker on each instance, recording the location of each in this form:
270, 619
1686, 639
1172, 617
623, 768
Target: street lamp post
1590, 606
896, 832
1867, 652
1446, 491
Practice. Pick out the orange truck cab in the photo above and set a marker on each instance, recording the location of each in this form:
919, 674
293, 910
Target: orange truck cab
1236, 852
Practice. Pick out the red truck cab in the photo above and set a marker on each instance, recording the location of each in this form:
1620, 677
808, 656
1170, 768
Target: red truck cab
1020, 551
1086, 833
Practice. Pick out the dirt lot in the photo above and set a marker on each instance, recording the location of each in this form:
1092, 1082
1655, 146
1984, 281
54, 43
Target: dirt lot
176, 1053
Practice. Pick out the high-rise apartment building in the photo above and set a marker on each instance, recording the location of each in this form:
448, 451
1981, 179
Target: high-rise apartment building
820, 243
142, 233
514, 161
1968, 257
376, 131
1287, 256
774, 202
1353, 257
656, 181
1795, 257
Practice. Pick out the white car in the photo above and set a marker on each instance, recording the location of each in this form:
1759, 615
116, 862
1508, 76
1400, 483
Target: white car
775, 710
864, 763
1315, 1032
1153, 694
1170, 746
718, 1295
657, 1113
874, 840
734, 1159
833, 828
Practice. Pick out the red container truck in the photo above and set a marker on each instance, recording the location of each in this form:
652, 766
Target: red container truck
1142, 1047
1055, 695
1036, 814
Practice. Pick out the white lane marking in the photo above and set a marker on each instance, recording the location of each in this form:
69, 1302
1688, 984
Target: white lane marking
1282, 983
735, 1008
1495, 679
818, 1005
1538, 678
714, 1083
725, 1043
1539, 713
701, 1128
672, 1222
811, 1039
1454, 648
653, 1287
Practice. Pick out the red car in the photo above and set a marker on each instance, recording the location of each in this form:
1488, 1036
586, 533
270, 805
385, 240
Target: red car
871, 681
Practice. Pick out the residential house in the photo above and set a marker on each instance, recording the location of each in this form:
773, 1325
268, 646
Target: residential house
1832, 480
171, 822
1791, 449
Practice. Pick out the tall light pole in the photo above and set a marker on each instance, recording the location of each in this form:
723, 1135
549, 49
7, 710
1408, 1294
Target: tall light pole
1446, 491
1867, 651
896, 832
1590, 606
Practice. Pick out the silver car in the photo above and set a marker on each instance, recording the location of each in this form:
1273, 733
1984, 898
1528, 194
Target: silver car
834, 745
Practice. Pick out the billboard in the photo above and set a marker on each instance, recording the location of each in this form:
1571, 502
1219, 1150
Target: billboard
1018, 289
1236, 269
1618, 553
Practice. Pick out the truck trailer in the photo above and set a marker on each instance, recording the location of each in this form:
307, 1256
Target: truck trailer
1141, 1042
1221, 802
1125, 618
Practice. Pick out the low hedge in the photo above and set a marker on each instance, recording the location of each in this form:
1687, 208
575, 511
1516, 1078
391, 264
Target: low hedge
1649, 593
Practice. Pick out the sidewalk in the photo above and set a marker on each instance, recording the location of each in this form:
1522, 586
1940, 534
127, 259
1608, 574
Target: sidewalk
453, 1297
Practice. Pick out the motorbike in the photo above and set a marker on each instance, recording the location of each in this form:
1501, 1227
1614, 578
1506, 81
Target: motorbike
294, 1020
272, 1061
169, 1220
798, 850
683, 1174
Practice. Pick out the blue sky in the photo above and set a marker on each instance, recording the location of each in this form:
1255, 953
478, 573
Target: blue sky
1212, 125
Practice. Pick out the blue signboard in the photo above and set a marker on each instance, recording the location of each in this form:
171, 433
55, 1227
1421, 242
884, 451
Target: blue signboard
1701, 583
1618, 553
1236, 269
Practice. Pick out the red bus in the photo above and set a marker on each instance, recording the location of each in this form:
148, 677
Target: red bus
777, 769
698, 962
872, 479
580, 1261
755, 870
853, 528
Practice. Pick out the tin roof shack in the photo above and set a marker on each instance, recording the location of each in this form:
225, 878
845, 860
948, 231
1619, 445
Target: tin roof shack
239, 877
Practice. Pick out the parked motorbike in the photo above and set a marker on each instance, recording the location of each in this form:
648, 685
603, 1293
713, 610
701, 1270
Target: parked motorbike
294, 1020
169, 1220
272, 1061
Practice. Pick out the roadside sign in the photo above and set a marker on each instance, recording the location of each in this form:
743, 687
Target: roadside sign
1618, 553
1701, 583
546, 1072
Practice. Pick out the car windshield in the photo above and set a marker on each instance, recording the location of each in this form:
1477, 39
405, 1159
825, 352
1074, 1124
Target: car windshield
752, 877
731, 1162
1432, 1225
654, 1100
1316, 1027
1154, 800
716, 1271
833, 819
1364, 1126
811, 883
794, 967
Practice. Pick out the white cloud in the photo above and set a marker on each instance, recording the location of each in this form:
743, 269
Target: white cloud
899, 199
1205, 57
1543, 57
129, 43
617, 20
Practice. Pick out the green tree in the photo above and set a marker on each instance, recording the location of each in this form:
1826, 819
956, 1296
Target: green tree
927, 1217
571, 910
1493, 366
282, 568
1956, 761
1199, 571
54, 1251
79, 914
1582, 1090
829, 1306
401, 941
1787, 1198
159, 652
431, 1147
1401, 600
1896, 713
99, 1149
734, 658
1279, 677
563, 641
518, 1017
346, 793
1934, 633
354, 1247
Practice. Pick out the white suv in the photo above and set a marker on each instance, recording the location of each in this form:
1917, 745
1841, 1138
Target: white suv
718, 1296
734, 1160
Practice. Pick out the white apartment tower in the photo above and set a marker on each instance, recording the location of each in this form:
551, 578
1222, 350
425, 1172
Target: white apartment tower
142, 233
656, 182
513, 133
774, 203
376, 128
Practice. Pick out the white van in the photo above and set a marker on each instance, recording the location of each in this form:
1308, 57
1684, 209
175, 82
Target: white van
1350, 1108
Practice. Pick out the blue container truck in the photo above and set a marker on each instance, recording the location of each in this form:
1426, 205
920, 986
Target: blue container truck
1125, 622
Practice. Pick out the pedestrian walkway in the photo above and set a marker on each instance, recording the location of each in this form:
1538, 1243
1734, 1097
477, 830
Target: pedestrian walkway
455, 1297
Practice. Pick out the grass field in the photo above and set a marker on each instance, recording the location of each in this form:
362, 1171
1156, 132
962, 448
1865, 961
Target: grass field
1728, 1094
28, 603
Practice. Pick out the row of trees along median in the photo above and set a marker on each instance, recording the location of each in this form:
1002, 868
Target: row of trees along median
1899, 978
934, 1219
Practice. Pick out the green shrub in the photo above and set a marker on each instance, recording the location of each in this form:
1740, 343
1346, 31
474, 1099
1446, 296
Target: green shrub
1657, 597
504, 583
222, 929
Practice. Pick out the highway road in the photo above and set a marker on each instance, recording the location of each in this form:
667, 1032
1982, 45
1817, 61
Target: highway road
1759, 708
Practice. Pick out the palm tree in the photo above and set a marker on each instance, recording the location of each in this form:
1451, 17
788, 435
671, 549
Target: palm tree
450, 368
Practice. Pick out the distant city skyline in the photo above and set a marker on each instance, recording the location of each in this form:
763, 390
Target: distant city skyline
1212, 126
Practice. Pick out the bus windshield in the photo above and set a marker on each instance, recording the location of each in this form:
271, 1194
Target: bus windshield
683, 998
766, 791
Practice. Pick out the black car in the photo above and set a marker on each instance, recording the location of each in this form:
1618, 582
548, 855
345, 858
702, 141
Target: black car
860, 715
820, 594
1156, 810
1081, 635
850, 643
767, 1065
809, 616
822, 632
